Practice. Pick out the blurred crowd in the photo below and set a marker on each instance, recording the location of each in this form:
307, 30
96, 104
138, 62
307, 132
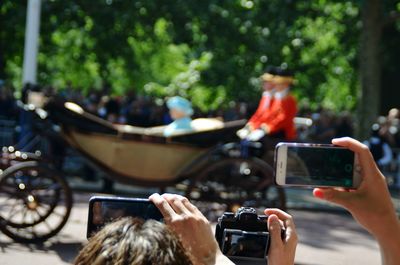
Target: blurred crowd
145, 111
326, 125
131, 108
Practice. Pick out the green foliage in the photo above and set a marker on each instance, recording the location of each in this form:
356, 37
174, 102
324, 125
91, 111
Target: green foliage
321, 46
209, 51
74, 60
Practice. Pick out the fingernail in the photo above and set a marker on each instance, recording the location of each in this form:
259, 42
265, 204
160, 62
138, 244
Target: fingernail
274, 221
318, 194
154, 194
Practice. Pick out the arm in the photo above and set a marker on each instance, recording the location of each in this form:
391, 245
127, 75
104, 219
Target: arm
370, 204
192, 228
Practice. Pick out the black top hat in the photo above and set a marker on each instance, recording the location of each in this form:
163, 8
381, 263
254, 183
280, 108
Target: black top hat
283, 72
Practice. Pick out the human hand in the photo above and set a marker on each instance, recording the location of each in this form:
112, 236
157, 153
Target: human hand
256, 135
265, 127
370, 204
281, 251
192, 227
243, 133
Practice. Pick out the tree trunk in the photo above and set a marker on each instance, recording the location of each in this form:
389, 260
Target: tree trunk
2, 64
2, 55
370, 67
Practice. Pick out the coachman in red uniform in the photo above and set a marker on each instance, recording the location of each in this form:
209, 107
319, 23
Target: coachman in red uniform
276, 111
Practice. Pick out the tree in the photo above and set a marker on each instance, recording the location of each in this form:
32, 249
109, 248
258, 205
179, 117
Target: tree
373, 23
157, 46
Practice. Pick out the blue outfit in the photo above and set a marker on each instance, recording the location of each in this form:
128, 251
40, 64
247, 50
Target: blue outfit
179, 125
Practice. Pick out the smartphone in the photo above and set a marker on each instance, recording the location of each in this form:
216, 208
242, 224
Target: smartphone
103, 210
315, 165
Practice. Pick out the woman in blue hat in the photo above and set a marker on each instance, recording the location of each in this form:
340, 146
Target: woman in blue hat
180, 110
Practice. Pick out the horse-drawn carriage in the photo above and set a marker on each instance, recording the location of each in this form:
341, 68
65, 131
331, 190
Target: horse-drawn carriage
206, 164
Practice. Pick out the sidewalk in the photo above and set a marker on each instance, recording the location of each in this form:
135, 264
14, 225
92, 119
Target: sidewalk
328, 235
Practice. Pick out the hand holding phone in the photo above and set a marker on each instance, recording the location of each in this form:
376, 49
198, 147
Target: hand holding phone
315, 165
371, 203
191, 226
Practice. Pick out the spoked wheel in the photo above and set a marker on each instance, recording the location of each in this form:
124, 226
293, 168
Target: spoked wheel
35, 202
238, 182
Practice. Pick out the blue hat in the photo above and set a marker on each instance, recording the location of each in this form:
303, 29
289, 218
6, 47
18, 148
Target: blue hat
180, 104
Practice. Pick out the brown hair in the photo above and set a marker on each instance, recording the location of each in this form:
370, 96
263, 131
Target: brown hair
132, 241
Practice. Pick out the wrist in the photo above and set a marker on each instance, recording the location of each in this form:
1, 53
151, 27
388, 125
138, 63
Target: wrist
389, 244
388, 231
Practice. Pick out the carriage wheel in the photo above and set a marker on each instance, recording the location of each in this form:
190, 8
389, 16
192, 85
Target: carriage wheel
238, 182
35, 202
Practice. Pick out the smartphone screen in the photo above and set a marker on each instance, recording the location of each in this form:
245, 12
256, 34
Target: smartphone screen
315, 165
103, 210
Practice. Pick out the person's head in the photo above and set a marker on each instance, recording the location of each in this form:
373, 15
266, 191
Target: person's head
394, 113
267, 79
179, 107
283, 79
133, 241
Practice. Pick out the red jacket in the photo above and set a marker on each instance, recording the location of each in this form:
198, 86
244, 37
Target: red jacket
262, 111
278, 117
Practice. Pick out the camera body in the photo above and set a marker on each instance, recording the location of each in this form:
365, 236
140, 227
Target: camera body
243, 235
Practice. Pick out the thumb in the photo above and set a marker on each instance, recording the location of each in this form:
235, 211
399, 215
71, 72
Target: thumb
335, 196
274, 228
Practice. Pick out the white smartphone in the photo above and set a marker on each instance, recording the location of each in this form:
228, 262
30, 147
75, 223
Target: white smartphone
315, 165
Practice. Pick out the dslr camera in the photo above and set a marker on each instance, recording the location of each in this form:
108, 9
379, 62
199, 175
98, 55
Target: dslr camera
243, 235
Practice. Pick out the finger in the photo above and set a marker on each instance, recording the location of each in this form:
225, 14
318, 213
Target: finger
191, 207
274, 229
342, 198
282, 215
287, 221
166, 210
176, 202
290, 232
364, 155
